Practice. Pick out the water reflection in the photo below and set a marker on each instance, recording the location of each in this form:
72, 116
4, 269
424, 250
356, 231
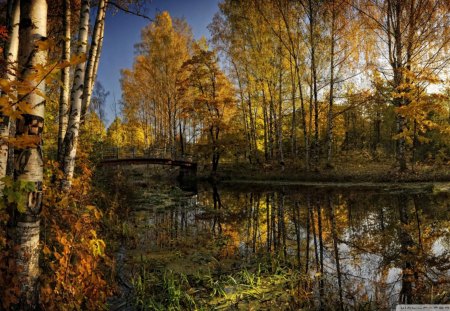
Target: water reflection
355, 249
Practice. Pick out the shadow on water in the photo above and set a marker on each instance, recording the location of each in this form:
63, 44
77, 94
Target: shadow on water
291, 248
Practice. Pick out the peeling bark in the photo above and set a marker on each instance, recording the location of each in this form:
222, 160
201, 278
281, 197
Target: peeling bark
71, 138
65, 79
92, 62
11, 54
23, 227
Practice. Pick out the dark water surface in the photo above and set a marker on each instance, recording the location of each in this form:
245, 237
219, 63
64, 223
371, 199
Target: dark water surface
305, 247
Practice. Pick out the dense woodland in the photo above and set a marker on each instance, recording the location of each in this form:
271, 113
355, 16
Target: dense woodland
305, 84
311, 80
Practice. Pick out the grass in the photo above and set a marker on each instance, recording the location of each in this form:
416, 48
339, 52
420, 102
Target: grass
243, 289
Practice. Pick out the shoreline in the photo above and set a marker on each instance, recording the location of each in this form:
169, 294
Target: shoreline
349, 176
435, 187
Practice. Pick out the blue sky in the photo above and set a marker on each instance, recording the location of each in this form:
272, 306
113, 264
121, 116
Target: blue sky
123, 31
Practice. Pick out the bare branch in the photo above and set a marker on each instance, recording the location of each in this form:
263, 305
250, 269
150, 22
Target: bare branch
123, 9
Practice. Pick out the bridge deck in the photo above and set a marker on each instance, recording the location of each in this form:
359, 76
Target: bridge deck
133, 155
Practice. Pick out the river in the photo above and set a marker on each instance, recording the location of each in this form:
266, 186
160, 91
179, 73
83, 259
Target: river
288, 247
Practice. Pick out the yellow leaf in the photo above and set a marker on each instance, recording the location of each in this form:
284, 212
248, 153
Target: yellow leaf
5, 85
78, 226
97, 214
93, 233
46, 250
4, 102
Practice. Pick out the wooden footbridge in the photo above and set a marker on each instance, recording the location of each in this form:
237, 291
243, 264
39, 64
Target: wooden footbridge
125, 156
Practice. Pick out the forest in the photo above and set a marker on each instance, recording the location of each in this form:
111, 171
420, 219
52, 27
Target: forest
303, 83
311, 125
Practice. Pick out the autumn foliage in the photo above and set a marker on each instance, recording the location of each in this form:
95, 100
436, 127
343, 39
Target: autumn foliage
76, 268
77, 265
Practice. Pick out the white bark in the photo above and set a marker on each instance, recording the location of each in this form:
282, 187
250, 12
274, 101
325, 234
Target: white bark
71, 137
65, 78
28, 162
97, 60
11, 55
94, 53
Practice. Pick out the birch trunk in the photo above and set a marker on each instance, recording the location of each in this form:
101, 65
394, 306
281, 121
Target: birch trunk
11, 54
65, 78
71, 138
23, 229
96, 62
92, 62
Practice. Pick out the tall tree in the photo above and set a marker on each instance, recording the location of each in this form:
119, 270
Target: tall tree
212, 97
94, 56
413, 36
149, 88
64, 98
71, 138
11, 70
24, 220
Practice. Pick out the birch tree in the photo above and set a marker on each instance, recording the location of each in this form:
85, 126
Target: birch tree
11, 55
25, 220
71, 138
64, 97
94, 57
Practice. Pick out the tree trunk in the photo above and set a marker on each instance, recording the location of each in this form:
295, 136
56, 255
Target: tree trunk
10, 54
247, 127
65, 79
92, 62
331, 99
215, 148
272, 118
23, 229
266, 126
294, 113
279, 121
401, 143
312, 15
304, 123
71, 138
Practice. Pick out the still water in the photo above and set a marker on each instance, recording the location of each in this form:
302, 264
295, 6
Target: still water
308, 247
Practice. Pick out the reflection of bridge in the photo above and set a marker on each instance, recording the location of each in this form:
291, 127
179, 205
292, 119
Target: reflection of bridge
118, 156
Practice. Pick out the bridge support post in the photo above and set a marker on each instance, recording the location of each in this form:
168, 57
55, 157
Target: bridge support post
188, 178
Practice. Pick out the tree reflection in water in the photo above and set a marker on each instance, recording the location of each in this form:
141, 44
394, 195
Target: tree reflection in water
350, 249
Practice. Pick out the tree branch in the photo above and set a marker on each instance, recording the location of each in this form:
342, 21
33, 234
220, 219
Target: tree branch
123, 9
